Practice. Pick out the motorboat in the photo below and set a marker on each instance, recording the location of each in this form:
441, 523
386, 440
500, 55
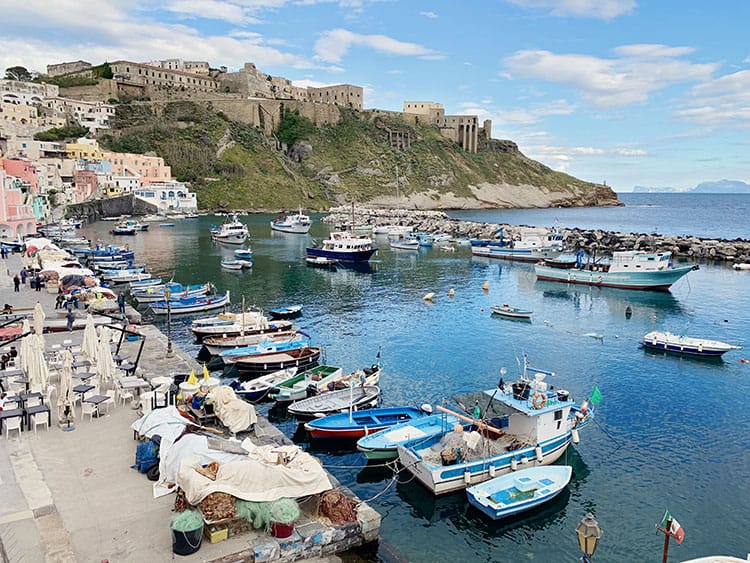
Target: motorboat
356, 424
288, 312
404, 242
256, 390
236, 324
344, 247
230, 232
686, 345
506, 310
236, 264
321, 262
126, 231
519, 491
383, 444
260, 364
531, 245
215, 345
297, 223
190, 304
355, 397
628, 269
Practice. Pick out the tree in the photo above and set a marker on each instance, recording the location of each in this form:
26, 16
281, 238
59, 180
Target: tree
17, 73
294, 127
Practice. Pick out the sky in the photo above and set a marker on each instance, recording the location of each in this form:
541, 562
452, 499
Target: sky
627, 92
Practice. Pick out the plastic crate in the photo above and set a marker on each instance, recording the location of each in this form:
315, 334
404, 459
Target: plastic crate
216, 534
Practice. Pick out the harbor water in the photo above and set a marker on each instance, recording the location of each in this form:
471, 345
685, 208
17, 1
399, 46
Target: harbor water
671, 432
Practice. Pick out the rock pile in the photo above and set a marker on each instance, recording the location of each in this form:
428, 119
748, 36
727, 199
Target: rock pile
589, 240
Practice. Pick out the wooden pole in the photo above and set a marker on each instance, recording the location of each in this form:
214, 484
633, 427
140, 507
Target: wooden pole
667, 535
480, 425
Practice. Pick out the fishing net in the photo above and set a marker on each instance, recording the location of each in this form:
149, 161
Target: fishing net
186, 521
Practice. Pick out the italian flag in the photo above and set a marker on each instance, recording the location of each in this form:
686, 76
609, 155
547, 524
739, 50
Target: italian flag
674, 530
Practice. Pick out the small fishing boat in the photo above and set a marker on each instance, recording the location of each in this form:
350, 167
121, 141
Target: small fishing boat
516, 492
260, 364
236, 264
356, 424
383, 444
126, 231
321, 262
506, 310
230, 232
190, 304
404, 242
265, 347
687, 345
243, 253
344, 247
215, 345
154, 293
530, 246
125, 276
258, 389
141, 284
298, 386
741, 266
296, 223
236, 324
356, 397
288, 312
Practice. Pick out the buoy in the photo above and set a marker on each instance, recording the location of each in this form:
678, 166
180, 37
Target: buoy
513, 464
467, 477
539, 456
576, 436
429, 296
492, 470
451, 292
486, 286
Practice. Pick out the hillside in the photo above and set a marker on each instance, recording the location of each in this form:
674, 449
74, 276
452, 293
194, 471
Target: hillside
232, 165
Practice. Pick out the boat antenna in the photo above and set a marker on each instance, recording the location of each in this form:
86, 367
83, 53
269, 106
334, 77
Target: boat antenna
242, 316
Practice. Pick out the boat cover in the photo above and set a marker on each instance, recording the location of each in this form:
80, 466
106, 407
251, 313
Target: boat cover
234, 413
259, 478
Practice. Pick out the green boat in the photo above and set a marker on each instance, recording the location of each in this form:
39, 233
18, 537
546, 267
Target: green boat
295, 388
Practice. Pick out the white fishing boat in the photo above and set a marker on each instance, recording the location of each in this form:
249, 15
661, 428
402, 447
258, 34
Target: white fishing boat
236, 264
358, 397
258, 389
297, 223
230, 232
530, 245
404, 242
234, 324
321, 261
741, 266
686, 345
506, 310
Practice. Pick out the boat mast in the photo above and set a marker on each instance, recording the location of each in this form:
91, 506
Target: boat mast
398, 196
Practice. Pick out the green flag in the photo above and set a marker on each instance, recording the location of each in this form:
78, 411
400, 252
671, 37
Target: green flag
596, 396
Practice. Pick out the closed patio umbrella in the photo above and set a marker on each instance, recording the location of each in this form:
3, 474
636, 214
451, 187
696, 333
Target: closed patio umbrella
105, 365
65, 396
38, 317
37, 372
89, 344
24, 352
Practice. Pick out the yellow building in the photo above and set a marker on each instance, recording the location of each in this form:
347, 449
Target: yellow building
84, 149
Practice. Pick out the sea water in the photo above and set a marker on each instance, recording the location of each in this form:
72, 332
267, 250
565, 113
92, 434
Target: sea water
670, 433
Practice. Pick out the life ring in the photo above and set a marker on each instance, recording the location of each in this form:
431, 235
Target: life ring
539, 400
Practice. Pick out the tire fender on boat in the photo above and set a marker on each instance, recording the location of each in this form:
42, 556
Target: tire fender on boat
539, 400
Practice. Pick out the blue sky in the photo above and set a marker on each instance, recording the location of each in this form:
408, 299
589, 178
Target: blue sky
628, 92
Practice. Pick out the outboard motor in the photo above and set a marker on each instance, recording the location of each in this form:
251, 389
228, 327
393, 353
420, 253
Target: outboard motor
426, 408
312, 390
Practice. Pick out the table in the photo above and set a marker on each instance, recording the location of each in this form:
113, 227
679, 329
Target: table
13, 399
10, 413
26, 396
119, 358
84, 375
133, 383
37, 409
82, 389
96, 400
24, 380
8, 373
81, 364
127, 367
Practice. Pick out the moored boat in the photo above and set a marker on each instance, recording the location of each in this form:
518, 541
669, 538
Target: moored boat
236, 264
321, 262
531, 246
628, 269
258, 389
519, 491
297, 223
261, 364
190, 304
344, 247
236, 324
668, 342
354, 397
404, 242
296, 387
506, 310
288, 312
741, 266
230, 232
243, 253
356, 424
215, 345
231, 355
154, 293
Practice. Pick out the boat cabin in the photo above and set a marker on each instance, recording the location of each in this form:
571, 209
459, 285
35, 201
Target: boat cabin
635, 260
343, 241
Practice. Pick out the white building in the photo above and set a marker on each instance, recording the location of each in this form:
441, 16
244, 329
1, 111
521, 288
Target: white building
92, 115
170, 197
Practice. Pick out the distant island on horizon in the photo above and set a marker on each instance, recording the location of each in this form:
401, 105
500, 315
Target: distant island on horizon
715, 187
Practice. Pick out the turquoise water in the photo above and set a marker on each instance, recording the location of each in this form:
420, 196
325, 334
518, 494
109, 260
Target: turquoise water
671, 433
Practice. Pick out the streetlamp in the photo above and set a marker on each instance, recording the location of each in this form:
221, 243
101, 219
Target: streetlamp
589, 532
167, 296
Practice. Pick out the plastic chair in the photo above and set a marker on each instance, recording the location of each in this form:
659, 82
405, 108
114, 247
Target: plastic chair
39, 418
124, 395
112, 394
51, 390
88, 409
12, 424
33, 401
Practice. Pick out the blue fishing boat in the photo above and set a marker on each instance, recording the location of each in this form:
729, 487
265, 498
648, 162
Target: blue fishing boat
229, 356
520, 425
357, 424
152, 294
151, 282
519, 491
287, 312
628, 269
344, 247
190, 304
243, 253
382, 444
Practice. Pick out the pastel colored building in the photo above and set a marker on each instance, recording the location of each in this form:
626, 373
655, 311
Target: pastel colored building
16, 214
171, 196
92, 115
149, 169
84, 149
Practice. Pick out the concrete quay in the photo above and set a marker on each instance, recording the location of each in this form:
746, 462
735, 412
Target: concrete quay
589, 240
72, 496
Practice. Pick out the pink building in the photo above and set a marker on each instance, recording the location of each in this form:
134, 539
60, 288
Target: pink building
23, 170
16, 211
85, 183
149, 168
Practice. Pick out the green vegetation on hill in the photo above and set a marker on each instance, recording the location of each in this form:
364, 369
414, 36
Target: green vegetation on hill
66, 133
233, 165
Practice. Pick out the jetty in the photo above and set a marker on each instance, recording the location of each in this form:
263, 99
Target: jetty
72, 495
592, 241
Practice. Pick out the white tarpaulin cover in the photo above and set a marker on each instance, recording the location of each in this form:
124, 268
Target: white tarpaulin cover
259, 478
192, 449
167, 423
234, 413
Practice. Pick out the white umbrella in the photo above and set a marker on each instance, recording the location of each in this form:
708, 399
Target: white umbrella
64, 397
105, 365
37, 372
24, 352
39, 317
89, 344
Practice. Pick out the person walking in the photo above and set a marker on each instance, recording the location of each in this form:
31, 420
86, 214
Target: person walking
59, 300
38, 282
70, 318
23, 276
16, 283
121, 303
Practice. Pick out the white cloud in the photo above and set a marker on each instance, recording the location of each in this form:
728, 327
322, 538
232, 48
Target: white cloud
535, 114
211, 9
630, 152
619, 81
395, 71
429, 15
598, 9
724, 101
334, 44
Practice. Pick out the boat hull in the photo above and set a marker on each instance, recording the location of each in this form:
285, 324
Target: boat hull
515, 254
686, 345
161, 308
335, 401
362, 423
342, 256
294, 228
659, 280
253, 366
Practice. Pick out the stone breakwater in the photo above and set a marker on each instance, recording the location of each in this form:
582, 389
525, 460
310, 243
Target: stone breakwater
589, 240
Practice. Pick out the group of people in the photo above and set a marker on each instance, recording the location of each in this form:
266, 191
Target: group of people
4, 251
36, 279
